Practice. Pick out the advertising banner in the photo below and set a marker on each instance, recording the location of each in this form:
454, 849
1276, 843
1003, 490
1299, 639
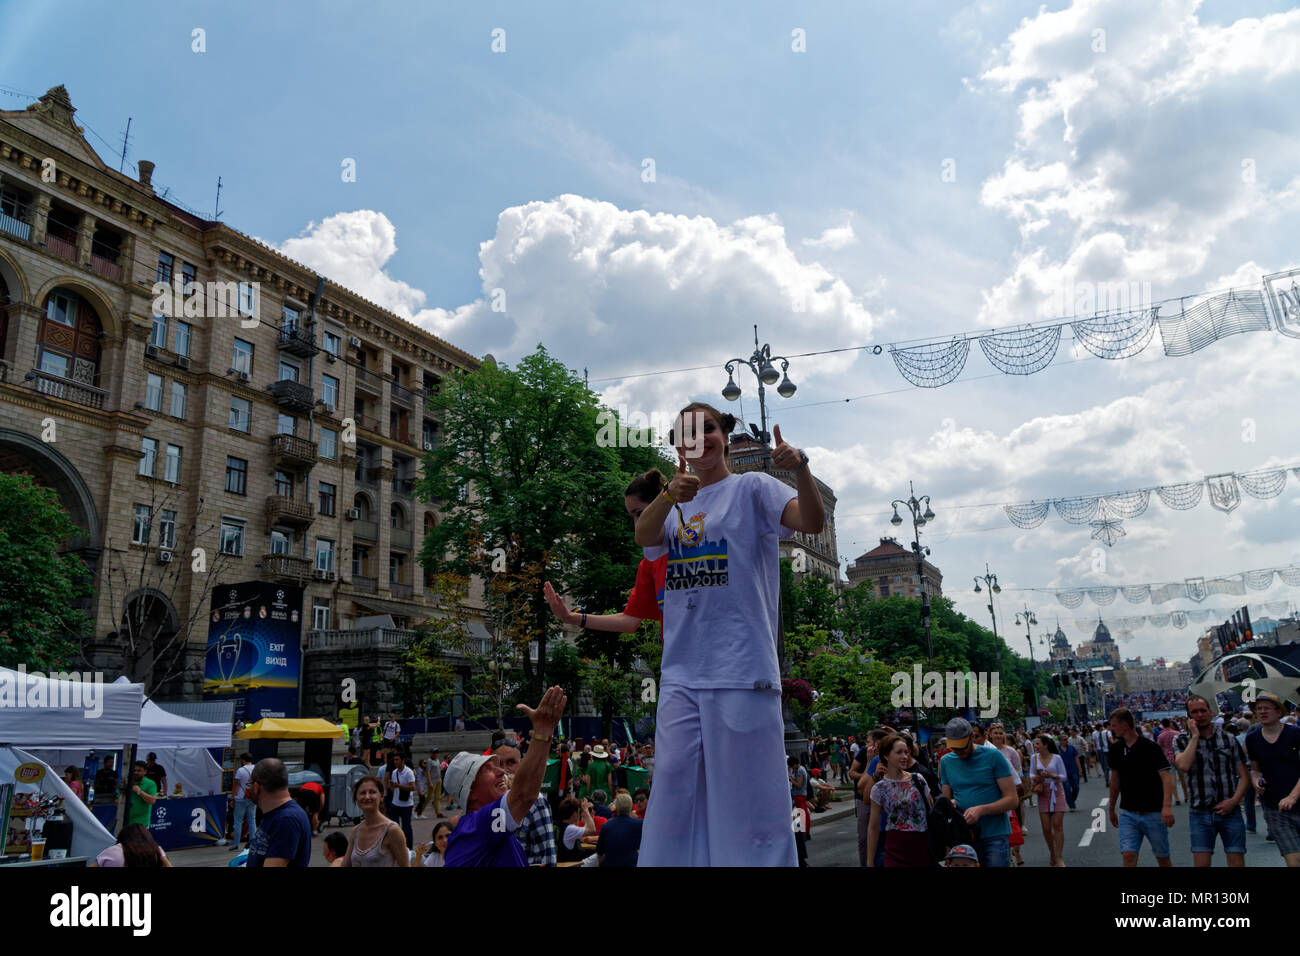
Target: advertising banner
255, 649
180, 822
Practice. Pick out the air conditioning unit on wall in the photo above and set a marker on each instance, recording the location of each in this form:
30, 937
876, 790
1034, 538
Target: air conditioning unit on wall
164, 556
354, 514
354, 342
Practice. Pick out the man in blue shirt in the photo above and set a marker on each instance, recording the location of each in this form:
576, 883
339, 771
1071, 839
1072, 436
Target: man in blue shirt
494, 808
283, 838
978, 780
619, 842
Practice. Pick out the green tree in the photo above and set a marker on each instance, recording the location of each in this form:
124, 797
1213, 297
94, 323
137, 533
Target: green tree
38, 584
426, 677
529, 493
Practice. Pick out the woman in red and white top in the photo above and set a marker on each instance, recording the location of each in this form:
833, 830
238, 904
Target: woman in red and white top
1047, 771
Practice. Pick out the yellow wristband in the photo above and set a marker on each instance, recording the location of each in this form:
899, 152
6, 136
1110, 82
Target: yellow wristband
670, 498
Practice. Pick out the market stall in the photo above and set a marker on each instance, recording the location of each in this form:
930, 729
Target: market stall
37, 711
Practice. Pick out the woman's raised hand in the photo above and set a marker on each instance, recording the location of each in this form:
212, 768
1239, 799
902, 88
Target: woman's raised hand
558, 607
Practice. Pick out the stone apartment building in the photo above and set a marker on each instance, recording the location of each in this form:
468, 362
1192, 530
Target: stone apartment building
214, 417
889, 568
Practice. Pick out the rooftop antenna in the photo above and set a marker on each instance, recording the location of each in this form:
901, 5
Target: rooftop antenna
216, 206
126, 138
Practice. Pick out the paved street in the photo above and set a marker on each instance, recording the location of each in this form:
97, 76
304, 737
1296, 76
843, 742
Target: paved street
835, 844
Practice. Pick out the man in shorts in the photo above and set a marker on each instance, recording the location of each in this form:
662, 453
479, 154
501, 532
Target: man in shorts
1217, 782
1142, 782
1274, 751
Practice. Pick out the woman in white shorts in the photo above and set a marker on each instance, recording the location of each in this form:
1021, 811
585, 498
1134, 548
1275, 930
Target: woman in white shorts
721, 795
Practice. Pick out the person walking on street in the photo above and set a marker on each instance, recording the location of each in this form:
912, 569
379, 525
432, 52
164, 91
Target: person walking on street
1274, 751
1070, 757
900, 805
245, 809
401, 783
1047, 775
1168, 734
1141, 788
376, 841
978, 780
1101, 745
1217, 780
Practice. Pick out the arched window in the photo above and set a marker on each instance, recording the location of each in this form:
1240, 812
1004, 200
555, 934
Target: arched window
397, 516
362, 504
69, 338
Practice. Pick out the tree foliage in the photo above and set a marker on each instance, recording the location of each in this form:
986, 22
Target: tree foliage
38, 584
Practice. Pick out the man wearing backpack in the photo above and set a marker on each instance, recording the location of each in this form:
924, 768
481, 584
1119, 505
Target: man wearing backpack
979, 781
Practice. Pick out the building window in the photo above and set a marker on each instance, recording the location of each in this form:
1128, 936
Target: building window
153, 389
166, 264
236, 476
288, 371
286, 425
52, 363
884, 590
396, 563
183, 338
320, 614
330, 343
172, 467
247, 299
232, 537
360, 559
189, 277
178, 400
242, 359
329, 443
324, 554
326, 499
58, 308
140, 529
158, 336
280, 541
240, 412
150, 448
396, 517
288, 319
329, 390
284, 484
167, 530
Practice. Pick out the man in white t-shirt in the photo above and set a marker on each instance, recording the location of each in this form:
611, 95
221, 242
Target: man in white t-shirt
391, 731
245, 809
402, 782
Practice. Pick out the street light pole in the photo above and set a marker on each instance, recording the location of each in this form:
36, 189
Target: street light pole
1029, 619
991, 582
913, 504
760, 363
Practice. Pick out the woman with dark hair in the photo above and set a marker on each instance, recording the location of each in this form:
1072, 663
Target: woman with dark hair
1047, 771
386, 842
900, 805
719, 707
135, 848
72, 777
647, 597
434, 853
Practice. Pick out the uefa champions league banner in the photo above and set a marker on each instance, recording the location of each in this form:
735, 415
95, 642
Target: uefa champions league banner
255, 649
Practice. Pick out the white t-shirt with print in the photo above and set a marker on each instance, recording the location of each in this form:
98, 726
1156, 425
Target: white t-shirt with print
404, 776
720, 593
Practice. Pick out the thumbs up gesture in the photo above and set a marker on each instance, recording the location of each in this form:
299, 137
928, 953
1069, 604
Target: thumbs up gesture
684, 485
785, 457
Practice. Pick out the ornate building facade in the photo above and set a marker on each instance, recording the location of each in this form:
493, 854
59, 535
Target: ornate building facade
889, 568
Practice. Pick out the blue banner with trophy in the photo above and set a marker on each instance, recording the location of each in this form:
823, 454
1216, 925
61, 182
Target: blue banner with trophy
255, 649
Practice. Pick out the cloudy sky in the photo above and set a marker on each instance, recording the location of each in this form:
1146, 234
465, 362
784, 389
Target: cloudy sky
643, 184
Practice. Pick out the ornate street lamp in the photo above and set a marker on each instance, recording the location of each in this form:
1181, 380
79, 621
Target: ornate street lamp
919, 520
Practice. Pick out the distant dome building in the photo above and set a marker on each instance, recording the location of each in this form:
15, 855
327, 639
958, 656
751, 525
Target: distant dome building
1061, 649
1102, 646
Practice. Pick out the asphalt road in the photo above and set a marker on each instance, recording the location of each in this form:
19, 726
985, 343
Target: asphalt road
836, 843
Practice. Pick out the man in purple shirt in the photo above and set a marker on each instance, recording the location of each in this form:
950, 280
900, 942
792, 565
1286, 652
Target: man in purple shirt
494, 809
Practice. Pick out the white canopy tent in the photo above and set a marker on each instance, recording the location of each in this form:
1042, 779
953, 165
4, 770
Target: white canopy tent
43, 711
89, 838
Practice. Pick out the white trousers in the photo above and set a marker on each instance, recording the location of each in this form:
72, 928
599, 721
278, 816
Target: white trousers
721, 794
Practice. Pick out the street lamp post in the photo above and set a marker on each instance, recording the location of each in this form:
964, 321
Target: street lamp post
760, 363
1029, 619
913, 504
991, 582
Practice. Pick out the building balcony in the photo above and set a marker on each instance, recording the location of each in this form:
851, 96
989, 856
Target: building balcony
291, 450
403, 487
365, 530
353, 640
291, 511
61, 248
286, 569
365, 585
15, 227
403, 591
405, 435
401, 538
297, 340
369, 423
292, 395
106, 268
370, 381
65, 388
403, 396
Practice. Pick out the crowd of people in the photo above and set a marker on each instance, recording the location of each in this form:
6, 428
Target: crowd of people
1142, 702
989, 777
